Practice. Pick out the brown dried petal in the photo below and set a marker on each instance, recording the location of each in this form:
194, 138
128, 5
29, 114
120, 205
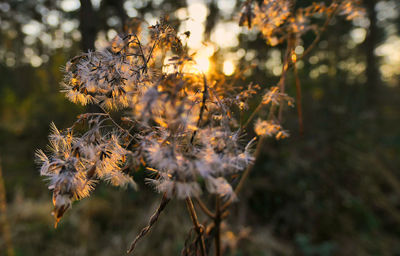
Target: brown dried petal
62, 202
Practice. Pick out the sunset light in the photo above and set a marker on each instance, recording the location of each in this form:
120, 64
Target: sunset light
202, 64
154, 127
228, 68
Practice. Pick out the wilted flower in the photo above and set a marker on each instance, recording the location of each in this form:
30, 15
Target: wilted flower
270, 15
276, 19
351, 9
270, 129
186, 128
169, 119
274, 96
74, 164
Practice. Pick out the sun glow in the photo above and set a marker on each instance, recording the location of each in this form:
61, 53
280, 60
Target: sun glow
202, 64
201, 60
228, 68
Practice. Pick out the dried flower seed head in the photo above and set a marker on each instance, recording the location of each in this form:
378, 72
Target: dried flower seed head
270, 129
74, 164
276, 19
180, 125
351, 9
270, 15
274, 96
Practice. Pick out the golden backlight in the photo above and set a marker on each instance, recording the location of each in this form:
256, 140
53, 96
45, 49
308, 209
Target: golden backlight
228, 68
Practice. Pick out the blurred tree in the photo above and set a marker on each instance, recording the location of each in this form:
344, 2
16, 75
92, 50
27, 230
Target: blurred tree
371, 42
88, 21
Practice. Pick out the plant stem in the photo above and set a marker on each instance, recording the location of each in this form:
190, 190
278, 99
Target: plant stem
298, 99
258, 108
285, 68
202, 108
114, 122
323, 28
197, 226
204, 208
153, 219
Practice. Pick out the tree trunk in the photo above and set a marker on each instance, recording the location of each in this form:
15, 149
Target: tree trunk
88, 28
211, 18
372, 72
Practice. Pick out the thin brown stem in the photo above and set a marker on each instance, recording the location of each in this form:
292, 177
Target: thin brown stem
288, 64
202, 108
298, 100
258, 108
151, 51
319, 33
141, 52
204, 208
285, 67
281, 85
164, 201
199, 229
115, 123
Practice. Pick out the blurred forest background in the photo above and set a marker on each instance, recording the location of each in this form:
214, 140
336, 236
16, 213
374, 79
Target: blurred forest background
335, 190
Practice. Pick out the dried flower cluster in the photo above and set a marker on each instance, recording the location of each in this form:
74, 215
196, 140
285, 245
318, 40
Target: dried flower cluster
278, 19
269, 129
179, 125
75, 164
186, 128
274, 96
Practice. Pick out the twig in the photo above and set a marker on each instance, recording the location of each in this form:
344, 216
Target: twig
141, 52
199, 229
204, 208
260, 142
153, 219
281, 83
114, 122
202, 108
285, 68
323, 28
151, 51
298, 99
258, 108
288, 64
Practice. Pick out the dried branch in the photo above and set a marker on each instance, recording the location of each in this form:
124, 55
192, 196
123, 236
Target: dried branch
141, 52
204, 208
114, 122
285, 68
199, 228
255, 112
202, 108
152, 221
151, 52
320, 31
298, 100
